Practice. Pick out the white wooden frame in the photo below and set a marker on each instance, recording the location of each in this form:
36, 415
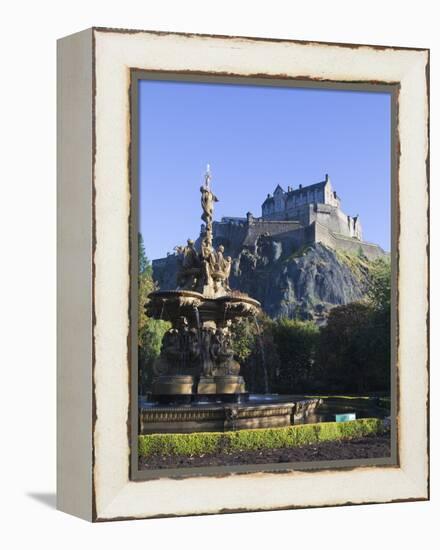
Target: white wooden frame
94, 275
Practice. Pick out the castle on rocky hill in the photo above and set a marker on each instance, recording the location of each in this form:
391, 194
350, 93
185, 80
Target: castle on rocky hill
303, 216
288, 258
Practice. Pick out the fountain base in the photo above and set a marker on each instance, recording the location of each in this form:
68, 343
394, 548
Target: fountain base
170, 385
180, 388
227, 384
210, 413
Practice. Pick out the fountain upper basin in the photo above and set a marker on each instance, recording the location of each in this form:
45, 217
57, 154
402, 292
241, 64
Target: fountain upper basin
171, 304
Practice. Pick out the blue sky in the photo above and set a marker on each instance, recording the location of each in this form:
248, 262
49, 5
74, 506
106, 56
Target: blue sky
254, 138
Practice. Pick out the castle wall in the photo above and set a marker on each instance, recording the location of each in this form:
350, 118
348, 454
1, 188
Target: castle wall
333, 218
231, 234
297, 238
339, 242
164, 271
325, 224
302, 214
273, 228
328, 215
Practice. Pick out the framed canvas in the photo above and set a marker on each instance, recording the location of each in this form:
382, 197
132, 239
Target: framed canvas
258, 362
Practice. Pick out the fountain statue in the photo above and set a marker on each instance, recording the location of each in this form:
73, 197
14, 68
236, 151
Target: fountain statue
196, 355
197, 384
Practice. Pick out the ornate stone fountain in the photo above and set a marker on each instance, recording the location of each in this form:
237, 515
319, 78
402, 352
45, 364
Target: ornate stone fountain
197, 356
197, 384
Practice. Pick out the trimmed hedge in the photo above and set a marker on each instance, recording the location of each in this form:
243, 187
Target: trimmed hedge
195, 444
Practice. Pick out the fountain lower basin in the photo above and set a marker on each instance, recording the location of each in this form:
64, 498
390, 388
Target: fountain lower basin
209, 415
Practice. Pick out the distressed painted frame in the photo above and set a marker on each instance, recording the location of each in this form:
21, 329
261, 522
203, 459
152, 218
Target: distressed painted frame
95, 337
137, 75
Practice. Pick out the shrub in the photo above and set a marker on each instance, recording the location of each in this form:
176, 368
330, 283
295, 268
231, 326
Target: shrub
196, 444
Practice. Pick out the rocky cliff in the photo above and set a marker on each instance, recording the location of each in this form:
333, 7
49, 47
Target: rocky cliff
303, 284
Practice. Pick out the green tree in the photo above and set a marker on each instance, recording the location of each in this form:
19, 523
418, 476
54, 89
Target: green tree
379, 296
256, 352
145, 267
244, 337
344, 343
354, 350
379, 292
150, 331
296, 343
